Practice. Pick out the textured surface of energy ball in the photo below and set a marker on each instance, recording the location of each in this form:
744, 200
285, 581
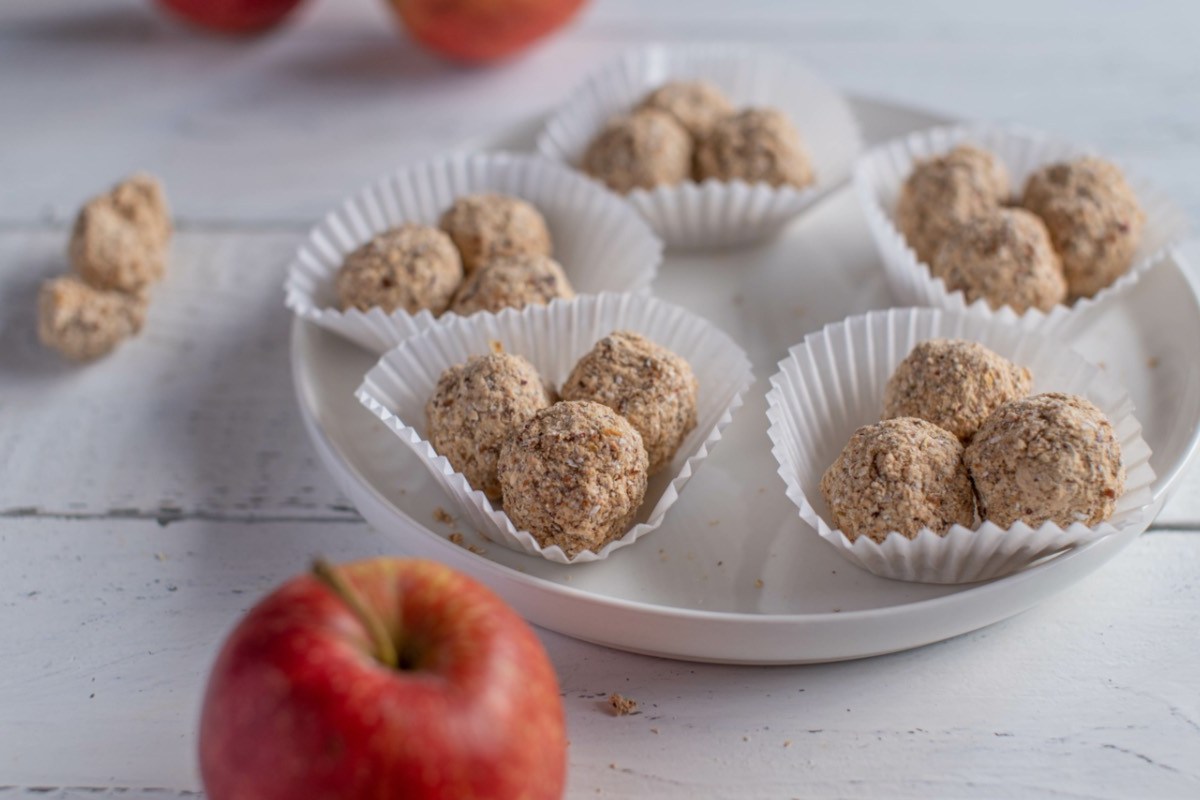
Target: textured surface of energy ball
409, 267
696, 105
574, 476
83, 322
758, 145
954, 384
120, 238
899, 475
1051, 457
641, 150
646, 384
1005, 257
489, 226
512, 282
1093, 217
475, 407
943, 192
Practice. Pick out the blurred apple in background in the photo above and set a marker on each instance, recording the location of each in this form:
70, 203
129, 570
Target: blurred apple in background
232, 16
478, 31
383, 678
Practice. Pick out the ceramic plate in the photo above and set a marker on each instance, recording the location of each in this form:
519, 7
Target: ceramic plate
734, 575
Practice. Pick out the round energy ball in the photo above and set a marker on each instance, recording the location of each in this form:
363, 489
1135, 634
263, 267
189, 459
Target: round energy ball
899, 475
410, 267
1093, 218
574, 476
942, 192
120, 238
642, 150
476, 406
696, 105
489, 226
954, 384
83, 322
646, 384
758, 145
1004, 256
1051, 457
512, 282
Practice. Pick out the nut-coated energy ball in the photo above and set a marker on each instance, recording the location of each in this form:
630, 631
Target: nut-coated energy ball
409, 267
574, 476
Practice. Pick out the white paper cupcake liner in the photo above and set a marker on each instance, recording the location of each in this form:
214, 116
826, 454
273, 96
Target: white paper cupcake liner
553, 338
833, 382
880, 174
602, 244
715, 213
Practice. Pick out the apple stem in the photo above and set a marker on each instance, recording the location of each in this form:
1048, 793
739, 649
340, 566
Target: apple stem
385, 649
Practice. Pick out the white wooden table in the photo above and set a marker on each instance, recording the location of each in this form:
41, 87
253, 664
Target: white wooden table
146, 501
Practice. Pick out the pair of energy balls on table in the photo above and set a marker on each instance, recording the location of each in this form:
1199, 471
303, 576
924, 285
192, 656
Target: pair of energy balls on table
1074, 231
573, 473
118, 250
490, 252
1046, 458
689, 130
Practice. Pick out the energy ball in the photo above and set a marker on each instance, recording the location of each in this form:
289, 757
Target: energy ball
120, 238
1004, 256
410, 267
643, 382
758, 145
574, 476
900, 475
476, 406
943, 192
489, 226
642, 150
1093, 217
696, 105
1051, 457
512, 282
83, 322
954, 384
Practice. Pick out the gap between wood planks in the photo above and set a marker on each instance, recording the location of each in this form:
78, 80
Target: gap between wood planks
95, 791
341, 514
167, 516
180, 224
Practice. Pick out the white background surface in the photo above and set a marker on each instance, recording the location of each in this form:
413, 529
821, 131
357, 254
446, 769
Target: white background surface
146, 501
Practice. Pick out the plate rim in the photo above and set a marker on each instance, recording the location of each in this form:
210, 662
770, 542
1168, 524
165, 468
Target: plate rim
1085, 559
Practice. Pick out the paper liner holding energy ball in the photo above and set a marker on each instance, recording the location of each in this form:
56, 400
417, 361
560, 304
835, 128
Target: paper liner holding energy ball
601, 243
880, 174
553, 338
715, 213
833, 382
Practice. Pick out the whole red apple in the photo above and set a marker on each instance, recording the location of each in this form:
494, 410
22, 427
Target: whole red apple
382, 679
232, 16
476, 31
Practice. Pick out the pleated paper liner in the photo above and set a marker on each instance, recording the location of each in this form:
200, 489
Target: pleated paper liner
833, 382
602, 243
553, 338
715, 213
880, 174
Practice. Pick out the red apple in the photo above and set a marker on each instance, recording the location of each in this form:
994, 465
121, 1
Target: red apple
232, 16
477, 31
303, 702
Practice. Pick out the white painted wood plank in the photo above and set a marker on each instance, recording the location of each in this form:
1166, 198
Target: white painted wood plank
1093, 694
195, 415
277, 128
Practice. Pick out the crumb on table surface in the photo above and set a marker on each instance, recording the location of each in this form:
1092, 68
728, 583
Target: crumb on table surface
621, 705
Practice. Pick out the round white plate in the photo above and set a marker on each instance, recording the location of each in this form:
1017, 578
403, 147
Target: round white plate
734, 575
